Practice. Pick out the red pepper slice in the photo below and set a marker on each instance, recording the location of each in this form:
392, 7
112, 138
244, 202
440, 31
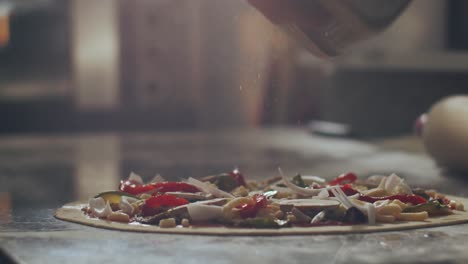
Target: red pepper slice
165, 200
405, 198
347, 189
251, 210
174, 187
157, 204
344, 178
238, 177
134, 188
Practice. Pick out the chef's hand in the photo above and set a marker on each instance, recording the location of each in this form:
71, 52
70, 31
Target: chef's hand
272, 9
305, 15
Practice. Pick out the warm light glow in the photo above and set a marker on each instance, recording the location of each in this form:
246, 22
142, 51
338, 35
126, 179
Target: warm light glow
98, 165
4, 30
95, 53
5, 208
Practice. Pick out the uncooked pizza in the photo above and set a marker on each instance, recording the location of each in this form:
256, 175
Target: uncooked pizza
229, 204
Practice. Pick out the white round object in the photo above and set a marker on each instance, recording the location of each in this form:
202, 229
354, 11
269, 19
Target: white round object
445, 133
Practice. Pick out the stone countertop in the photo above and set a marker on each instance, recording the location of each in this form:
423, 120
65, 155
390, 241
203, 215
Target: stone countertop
40, 173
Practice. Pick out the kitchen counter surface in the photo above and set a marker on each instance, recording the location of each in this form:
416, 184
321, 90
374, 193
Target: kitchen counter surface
39, 173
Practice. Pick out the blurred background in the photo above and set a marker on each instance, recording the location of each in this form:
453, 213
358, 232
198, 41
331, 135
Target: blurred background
134, 65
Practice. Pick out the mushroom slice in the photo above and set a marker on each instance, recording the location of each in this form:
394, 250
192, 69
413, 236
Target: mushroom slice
179, 212
308, 204
300, 216
216, 201
189, 196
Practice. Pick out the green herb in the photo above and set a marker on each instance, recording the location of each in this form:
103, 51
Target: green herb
297, 180
225, 182
433, 207
270, 194
422, 193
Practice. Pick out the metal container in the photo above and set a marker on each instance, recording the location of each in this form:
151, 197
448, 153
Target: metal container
328, 27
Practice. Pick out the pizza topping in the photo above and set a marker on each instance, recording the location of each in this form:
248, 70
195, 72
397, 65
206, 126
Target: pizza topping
348, 190
154, 204
405, 198
165, 200
345, 178
203, 212
134, 188
115, 197
191, 196
185, 222
297, 180
371, 213
238, 177
228, 209
134, 185
225, 182
302, 201
433, 207
354, 216
135, 178
313, 179
262, 222
164, 187
167, 223
100, 207
394, 185
300, 216
318, 217
250, 210
309, 204
157, 178
126, 205
205, 187
119, 217
297, 189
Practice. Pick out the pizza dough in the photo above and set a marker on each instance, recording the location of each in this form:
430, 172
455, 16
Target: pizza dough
445, 133
72, 212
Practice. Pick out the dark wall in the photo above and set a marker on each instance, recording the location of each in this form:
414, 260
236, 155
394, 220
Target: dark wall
457, 23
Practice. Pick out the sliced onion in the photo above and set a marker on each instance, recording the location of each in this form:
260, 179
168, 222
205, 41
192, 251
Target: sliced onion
203, 212
370, 213
98, 202
297, 189
318, 218
323, 194
392, 182
375, 179
380, 204
100, 207
126, 204
157, 178
382, 183
316, 179
209, 189
189, 196
135, 178
396, 185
